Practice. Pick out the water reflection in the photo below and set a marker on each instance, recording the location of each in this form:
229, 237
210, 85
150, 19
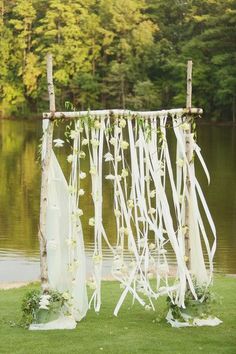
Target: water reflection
20, 185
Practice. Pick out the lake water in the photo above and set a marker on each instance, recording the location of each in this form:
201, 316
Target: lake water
20, 187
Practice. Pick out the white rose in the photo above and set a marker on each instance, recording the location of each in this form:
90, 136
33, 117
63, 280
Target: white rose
124, 173
85, 142
93, 170
185, 126
180, 162
151, 211
82, 175
70, 158
122, 123
91, 222
113, 141
97, 124
81, 192
73, 134
94, 143
124, 145
117, 213
79, 212
82, 155
152, 193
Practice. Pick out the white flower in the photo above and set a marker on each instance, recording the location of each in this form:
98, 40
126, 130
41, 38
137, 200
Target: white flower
130, 203
58, 142
79, 212
93, 170
148, 308
44, 302
117, 213
124, 145
73, 134
113, 141
152, 193
185, 126
152, 246
110, 177
124, 231
66, 295
151, 211
97, 124
81, 192
97, 259
181, 199
91, 222
82, 155
82, 175
85, 142
147, 178
118, 158
94, 143
180, 162
70, 158
122, 123
108, 157
124, 173
186, 258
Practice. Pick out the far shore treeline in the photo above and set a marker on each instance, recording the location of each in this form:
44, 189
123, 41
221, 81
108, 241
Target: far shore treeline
118, 54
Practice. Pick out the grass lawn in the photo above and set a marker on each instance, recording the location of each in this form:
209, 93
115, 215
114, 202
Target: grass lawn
133, 331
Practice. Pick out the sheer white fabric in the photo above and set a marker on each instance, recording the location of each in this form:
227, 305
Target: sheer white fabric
192, 322
66, 258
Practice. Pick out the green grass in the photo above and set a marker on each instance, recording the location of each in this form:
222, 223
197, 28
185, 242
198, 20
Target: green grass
133, 331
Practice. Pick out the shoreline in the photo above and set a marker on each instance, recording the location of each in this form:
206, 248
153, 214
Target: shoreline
19, 284
201, 121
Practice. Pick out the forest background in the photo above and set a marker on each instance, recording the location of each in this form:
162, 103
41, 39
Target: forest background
118, 54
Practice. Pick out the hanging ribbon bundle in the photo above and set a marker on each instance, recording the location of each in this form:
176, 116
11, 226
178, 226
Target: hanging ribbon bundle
149, 221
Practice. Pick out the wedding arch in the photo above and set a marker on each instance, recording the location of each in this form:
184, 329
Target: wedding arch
149, 219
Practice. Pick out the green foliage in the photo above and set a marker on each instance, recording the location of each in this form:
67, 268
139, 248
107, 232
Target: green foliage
29, 307
196, 308
118, 53
31, 311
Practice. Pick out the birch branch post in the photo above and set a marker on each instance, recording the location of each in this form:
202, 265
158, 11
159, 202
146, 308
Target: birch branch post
189, 155
46, 156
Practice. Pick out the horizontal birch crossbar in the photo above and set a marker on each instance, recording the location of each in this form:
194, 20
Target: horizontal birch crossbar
121, 112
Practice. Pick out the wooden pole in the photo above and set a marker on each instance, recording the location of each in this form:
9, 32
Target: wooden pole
189, 155
46, 156
189, 84
116, 112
